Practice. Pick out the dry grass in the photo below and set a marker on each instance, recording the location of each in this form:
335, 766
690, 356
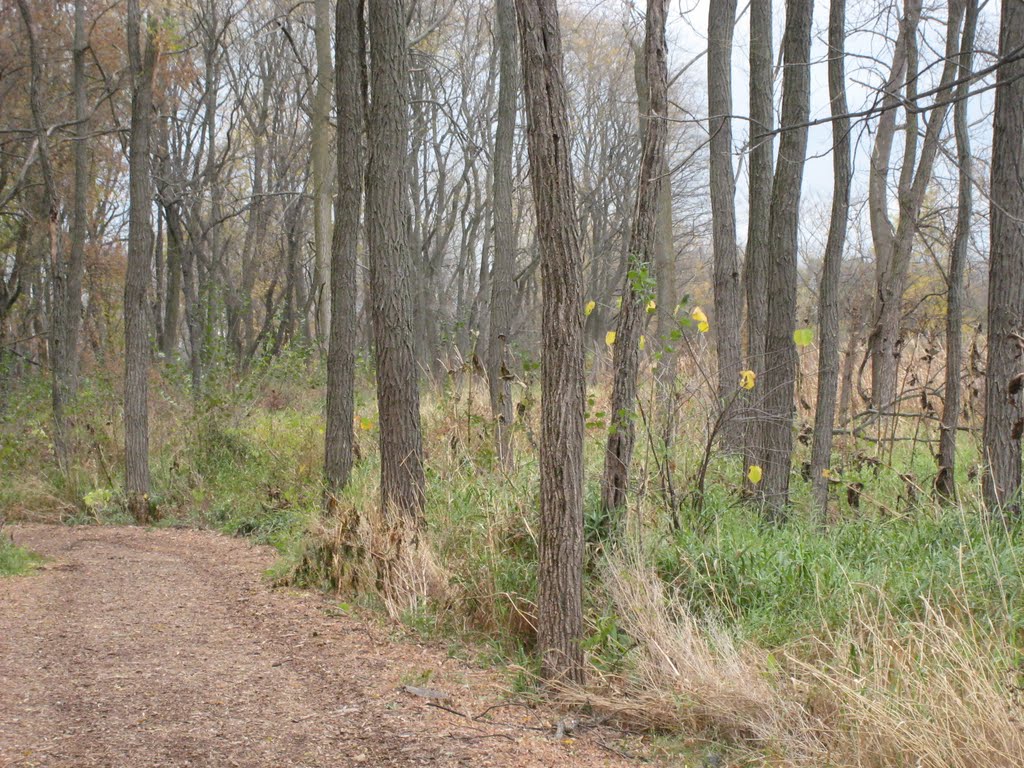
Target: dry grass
931, 694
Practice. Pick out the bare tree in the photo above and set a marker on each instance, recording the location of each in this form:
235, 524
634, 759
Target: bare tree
58, 272
341, 357
560, 574
828, 290
637, 289
398, 400
762, 161
728, 290
320, 162
142, 63
499, 361
945, 481
894, 244
780, 353
1004, 398
79, 221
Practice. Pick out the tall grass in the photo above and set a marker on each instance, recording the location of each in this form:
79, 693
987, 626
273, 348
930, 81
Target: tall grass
891, 637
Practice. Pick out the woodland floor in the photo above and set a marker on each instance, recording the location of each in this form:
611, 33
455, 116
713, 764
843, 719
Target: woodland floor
140, 647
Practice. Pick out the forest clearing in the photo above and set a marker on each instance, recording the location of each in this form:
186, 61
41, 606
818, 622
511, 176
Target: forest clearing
512, 382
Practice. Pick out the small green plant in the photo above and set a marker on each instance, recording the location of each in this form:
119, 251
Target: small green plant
15, 560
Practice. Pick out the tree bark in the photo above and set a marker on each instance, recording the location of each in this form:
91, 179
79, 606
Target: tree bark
499, 359
560, 572
58, 331
828, 291
142, 62
401, 449
762, 161
76, 259
781, 358
1004, 400
728, 316
637, 290
945, 481
341, 354
320, 160
894, 256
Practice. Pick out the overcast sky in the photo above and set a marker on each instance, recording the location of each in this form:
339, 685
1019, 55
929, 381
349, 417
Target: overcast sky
868, 53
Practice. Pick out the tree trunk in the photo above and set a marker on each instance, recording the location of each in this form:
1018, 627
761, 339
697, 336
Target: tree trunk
762, 161
320, 160
401, 449
499, 359
945, 481
893, 260
781, 358
728, 316
76, 260
882, 234
560, 573
172, 304
341, 354
828, 291
58, 334
637, 290
142, 62
1004, 398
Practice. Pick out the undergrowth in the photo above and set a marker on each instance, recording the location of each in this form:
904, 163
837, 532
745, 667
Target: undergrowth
891, 636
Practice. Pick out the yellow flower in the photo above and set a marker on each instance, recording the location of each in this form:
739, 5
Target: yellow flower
589, 308
609, 338
754, 474
700, 319
643, 343
747, 379
651, 306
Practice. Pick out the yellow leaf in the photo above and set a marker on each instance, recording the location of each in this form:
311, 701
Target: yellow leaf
754, 474
609, 338
618, 303
747, 379
365, 424
826, 473
589, 308
700, 319
643, 343
651, 306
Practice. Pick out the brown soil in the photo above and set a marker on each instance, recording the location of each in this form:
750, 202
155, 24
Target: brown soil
135, 647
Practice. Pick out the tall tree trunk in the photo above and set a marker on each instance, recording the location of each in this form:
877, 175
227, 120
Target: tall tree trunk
1004, 397
560, 572
341, 353
142, 62
945, 481
728, 316
398, 400
636, 292
172, 300
320, 160
828, 291
762, 161
76, 260
781, 358
893, 258
499, 361
58, 334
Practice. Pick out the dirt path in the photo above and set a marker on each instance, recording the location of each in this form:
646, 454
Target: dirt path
137, 647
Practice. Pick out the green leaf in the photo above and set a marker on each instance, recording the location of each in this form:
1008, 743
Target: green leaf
803, 336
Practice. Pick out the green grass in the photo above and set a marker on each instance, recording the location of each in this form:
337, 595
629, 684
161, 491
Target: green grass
15, 560
248, 462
